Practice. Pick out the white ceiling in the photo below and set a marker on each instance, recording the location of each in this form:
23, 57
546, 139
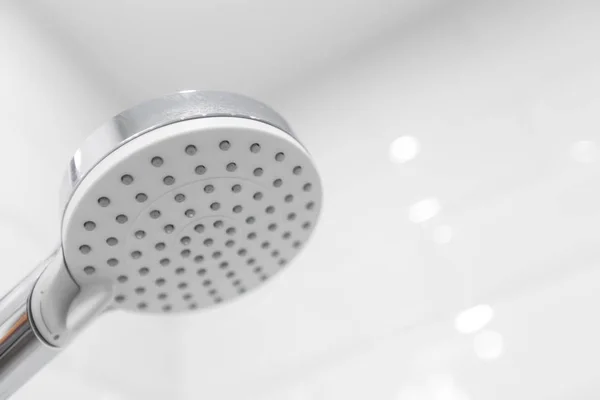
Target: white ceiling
143, 48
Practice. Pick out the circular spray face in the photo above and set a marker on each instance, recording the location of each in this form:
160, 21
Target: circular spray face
192, 214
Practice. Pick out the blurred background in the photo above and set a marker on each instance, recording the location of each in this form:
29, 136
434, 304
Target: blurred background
459, 144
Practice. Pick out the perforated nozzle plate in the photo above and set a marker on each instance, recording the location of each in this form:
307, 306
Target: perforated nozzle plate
192, 214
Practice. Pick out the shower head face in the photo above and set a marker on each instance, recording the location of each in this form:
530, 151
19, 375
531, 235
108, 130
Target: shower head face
191, 214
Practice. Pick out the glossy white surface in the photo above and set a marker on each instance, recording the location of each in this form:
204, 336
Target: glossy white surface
502, 98
143, 49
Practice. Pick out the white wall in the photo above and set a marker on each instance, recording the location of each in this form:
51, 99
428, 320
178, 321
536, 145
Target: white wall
48, 104
497, 94
547, 350
501, 96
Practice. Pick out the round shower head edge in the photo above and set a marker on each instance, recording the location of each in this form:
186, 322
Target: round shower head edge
156, 113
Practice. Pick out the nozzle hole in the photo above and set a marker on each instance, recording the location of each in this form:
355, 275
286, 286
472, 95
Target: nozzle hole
157, 161
89, 270
127, 179
104, 201
231, 167
141, 197
190, 150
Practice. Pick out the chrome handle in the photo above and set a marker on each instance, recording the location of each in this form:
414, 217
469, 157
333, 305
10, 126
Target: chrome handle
22, 353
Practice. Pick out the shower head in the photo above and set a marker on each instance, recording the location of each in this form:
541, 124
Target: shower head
175, 205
